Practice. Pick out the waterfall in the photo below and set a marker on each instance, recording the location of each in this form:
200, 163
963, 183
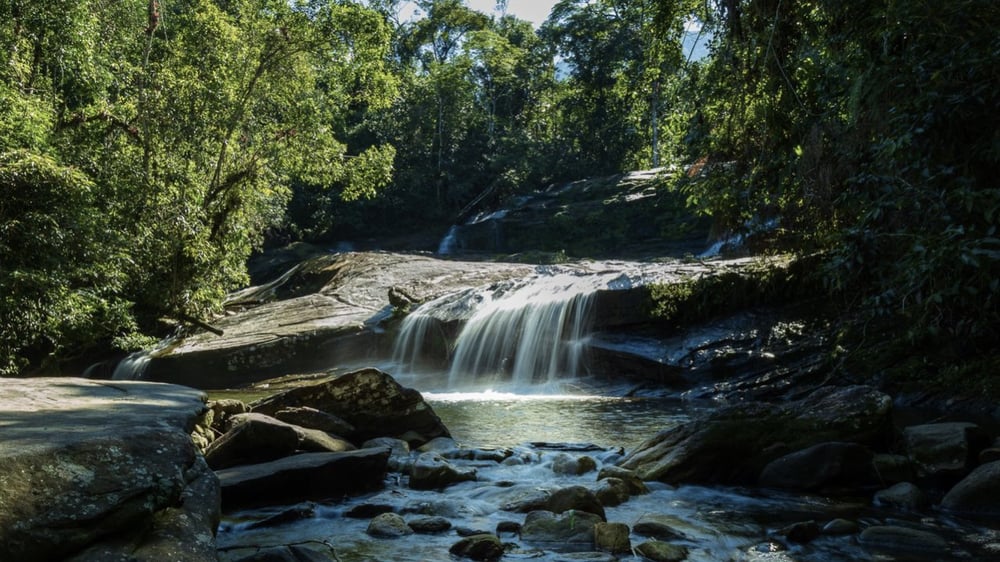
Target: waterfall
133, 367
449, 243
530, 332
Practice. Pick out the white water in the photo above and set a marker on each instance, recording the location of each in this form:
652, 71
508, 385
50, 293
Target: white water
449, 243
529, 335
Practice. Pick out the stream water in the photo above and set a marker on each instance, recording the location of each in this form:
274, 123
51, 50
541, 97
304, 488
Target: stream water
513, 383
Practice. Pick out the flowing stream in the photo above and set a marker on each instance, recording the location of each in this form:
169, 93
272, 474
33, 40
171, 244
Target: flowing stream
514, 383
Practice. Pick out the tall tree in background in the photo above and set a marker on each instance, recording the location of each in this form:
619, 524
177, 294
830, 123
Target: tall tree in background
180, 125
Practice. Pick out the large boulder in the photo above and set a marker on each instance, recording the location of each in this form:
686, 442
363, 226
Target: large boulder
368, 399
841, 466
733, 444
944, 450
103, 470
306, 476
568, 527
977, 493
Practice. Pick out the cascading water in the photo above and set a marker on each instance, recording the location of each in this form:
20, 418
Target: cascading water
531, 332
449, 244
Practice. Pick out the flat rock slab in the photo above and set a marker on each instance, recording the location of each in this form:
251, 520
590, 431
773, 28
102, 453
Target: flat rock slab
81, 460
307, 476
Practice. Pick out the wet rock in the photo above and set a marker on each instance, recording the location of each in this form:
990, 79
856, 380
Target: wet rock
612, 537
524, 501
659, 551
822, 466
840, 527
611, 492
801, 532
977, 493
943, 450
661, 526
478, 547
734, 443
103, 466
429, 525
989, 455
399, 457
253, 438
903, 496
440, 445
575, 498
567, 464
224, 409
285, 516
893, 469
432, 472
635, 484
306, 476
585, 557
508, 527
370, 400
368, 510
895, 538
568, 527
293, 553
312, 418
388, 526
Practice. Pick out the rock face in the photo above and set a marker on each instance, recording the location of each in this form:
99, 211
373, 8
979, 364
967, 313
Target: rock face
733, 444
325, 311
369, 400
103, 470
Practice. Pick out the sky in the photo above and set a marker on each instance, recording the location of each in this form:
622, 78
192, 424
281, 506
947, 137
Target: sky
535, 11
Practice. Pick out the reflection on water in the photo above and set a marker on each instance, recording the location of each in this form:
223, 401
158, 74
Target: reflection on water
492, 419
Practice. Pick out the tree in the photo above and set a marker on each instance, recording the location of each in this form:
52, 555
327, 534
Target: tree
188, 122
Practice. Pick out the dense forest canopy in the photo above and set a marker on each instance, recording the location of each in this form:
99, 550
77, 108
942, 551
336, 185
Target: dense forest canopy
148, 147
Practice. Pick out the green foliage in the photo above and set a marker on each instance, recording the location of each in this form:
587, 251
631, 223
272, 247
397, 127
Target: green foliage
180, 127
870, 133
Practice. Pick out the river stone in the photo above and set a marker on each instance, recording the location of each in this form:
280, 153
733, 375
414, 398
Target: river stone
896, 538
306, 476
635, 484
388, 526
611, 492
801, 532
253, 438
478, 547
893, 469
568, 527
661, 526
989, 455
575, 498
432, 472
370, 400
977, 493
429, 525
822, 466
659, 551
312, 418
733, 444
292, 553
943, 450
840, 527
612, 537
399, 458
82, 461
903, 495
564, 463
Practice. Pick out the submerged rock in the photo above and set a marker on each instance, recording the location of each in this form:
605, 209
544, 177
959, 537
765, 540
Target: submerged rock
478, 547
568, 527
431, 472
370, 400
896, 538
105, 468
388, 526
734, 443
659, 551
